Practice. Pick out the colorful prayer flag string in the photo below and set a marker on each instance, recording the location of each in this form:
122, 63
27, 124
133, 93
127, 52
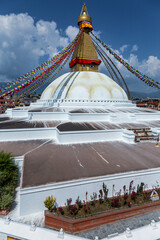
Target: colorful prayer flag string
149, 81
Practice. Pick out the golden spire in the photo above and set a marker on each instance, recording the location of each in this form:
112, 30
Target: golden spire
84, 20
85, 57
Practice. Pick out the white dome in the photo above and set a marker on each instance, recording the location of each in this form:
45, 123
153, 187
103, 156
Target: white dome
84, 85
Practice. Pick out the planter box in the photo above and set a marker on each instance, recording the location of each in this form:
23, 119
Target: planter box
4, 212
82, 224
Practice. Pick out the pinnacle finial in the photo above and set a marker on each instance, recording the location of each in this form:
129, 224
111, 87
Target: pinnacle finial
84, 10
84, 20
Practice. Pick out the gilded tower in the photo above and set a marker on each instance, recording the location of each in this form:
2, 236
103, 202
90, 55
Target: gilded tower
85, 57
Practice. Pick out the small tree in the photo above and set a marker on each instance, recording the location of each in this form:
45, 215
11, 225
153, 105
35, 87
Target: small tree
7, 161
49, 202
6, 201
8, 179
105, 190
140, 189
8, 168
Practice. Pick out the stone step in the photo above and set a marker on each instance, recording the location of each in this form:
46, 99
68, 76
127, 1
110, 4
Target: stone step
143, 134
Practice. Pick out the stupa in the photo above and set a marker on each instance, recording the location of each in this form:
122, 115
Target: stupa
82, 132
84, 82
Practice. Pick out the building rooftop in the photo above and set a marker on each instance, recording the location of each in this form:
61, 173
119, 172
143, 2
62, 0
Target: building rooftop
46, 164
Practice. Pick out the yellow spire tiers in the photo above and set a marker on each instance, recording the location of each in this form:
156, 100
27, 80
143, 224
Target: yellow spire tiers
85, 57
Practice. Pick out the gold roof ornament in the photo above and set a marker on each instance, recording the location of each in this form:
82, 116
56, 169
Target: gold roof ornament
85, 57
84, 20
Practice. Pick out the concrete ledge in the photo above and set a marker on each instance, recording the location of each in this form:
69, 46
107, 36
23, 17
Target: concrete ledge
18, 230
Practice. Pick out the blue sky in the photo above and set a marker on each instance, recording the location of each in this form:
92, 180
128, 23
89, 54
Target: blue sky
130, 27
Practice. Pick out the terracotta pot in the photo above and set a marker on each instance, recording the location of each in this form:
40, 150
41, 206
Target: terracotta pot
4, 212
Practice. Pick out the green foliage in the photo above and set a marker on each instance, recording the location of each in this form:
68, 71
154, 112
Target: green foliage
7, 162
8, 169
93, 198
140, 189
79, 203
105, 190
6, 201
95, 206
8, 179
49, 202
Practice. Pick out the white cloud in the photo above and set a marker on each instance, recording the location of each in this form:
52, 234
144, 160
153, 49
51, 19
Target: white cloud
149, 67
124, 47
97, 33
134, 48
71, 32
23, 42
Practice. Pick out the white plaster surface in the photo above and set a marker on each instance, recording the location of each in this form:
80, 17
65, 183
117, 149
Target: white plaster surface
24, 232
75, 188
66, 137
147, 232
84, 85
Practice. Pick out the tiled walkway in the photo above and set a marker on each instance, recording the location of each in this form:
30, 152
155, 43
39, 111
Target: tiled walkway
121, 225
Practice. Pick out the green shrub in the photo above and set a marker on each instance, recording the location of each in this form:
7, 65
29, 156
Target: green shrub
105, 190
7, 162
8, 169
140, 189
8, 179
49, 202
8, 189
6, 201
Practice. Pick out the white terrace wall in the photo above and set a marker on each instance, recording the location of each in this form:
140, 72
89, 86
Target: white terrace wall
66, 137
85, 103
31, 199
84, 117
156, 131
74, 117
147, 116
27, 134
19, 113
88, 117
90, 136
48, 116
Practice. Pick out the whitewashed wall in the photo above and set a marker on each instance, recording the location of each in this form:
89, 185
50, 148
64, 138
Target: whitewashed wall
27, 134
116, 117
89, 136
48, 116
147, 116
88, 117
31, 199
66, 137
19, 161
83, 103
21, 113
